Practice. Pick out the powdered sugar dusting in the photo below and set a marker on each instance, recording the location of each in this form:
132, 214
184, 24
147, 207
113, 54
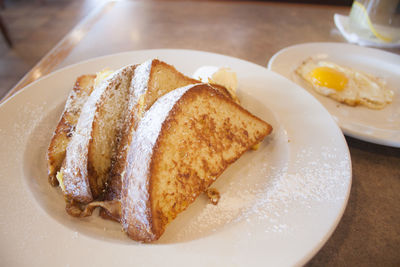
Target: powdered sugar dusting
134, 198
27, 120
75, 168
76, 100
77, 149
266, 199
141, 79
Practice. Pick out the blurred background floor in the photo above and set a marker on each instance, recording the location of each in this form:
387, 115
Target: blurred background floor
35, 27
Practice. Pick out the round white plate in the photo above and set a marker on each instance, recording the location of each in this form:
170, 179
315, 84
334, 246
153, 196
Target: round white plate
278, 204
376, 126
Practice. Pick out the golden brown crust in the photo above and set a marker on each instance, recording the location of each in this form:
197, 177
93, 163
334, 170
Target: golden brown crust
113, 207
155, 89
66, 126
203, 133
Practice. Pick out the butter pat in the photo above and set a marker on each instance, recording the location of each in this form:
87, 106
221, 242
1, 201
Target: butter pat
60, 179
227, 78
101, 76
221, 76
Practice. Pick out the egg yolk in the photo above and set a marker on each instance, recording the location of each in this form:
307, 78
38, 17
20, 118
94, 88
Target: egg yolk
329, 77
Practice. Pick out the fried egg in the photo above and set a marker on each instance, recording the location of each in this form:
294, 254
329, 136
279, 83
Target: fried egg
344, 84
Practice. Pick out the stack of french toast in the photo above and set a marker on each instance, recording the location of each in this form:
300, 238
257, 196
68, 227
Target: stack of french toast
144, 142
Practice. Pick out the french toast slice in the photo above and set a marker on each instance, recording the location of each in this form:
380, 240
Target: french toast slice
181, 146
86, 167
151, 80
56, 151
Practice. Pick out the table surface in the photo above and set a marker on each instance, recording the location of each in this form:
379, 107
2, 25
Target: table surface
369, 232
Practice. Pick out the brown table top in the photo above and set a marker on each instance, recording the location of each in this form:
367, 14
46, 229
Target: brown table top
369, 232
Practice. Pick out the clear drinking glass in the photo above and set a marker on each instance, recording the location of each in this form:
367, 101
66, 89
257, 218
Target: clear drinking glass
376, 19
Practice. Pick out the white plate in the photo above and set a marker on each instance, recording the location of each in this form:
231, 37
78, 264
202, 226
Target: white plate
376, 126
279, 204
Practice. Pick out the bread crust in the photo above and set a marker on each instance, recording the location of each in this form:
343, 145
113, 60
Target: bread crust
66, 126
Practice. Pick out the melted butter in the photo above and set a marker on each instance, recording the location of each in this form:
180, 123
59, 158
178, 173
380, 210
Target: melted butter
101, 76
60, 179
220, 76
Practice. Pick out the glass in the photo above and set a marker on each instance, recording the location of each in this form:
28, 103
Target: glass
376, 19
